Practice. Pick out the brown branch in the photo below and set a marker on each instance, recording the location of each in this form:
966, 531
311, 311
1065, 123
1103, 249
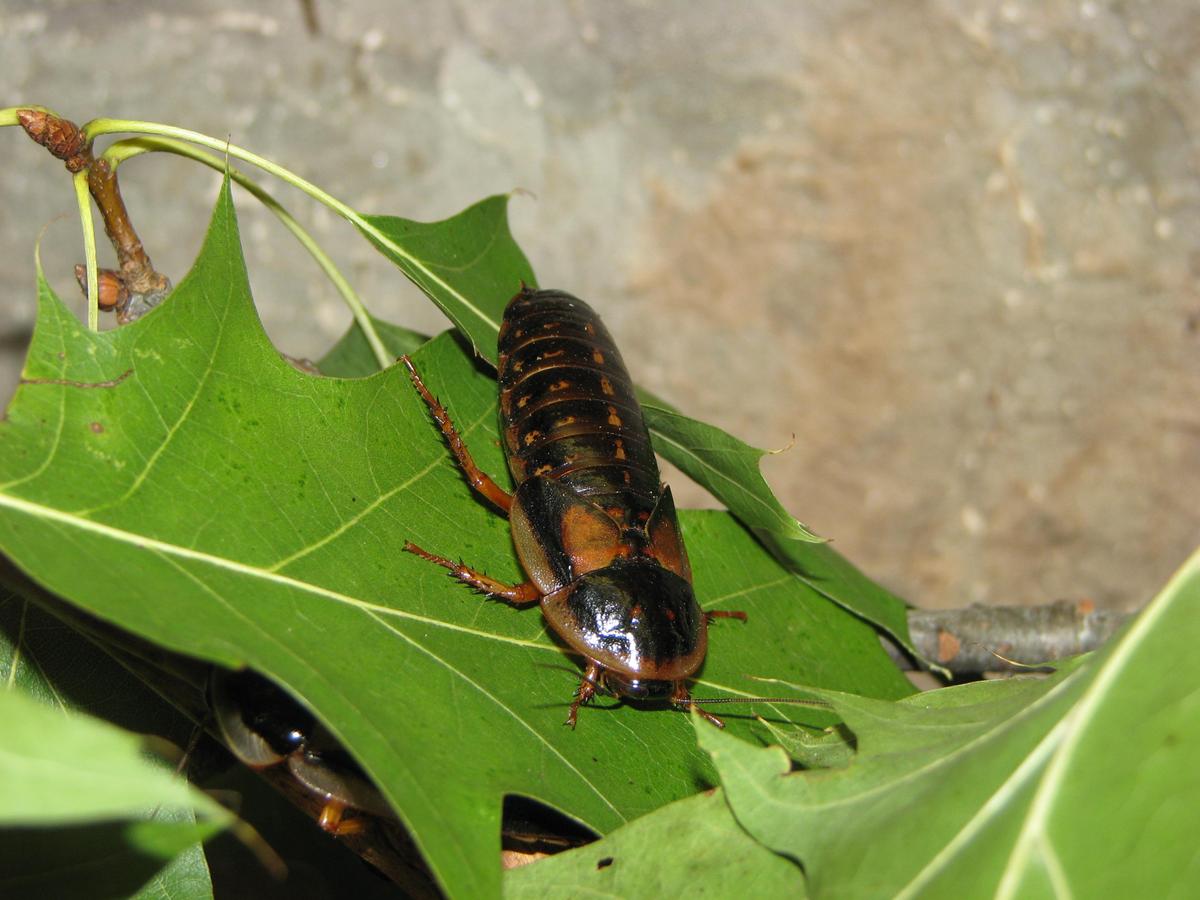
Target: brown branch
137, 271
978, 639
138, 287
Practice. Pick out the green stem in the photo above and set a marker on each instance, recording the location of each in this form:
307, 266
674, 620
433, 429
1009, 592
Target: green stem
131, 147
84, 197
8, 115
97, 127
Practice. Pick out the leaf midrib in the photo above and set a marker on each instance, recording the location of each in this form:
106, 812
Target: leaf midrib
143, 542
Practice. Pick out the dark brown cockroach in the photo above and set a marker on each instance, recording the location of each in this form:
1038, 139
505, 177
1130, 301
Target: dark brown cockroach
263, 727
594, 527
271, 733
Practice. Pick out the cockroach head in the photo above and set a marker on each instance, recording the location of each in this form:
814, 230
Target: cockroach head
636, 688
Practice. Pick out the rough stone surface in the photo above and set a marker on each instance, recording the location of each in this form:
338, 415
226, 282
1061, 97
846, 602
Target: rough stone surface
951, 246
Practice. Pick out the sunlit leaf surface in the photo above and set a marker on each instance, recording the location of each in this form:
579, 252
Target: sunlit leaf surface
469, 265
1080, 785
690, 848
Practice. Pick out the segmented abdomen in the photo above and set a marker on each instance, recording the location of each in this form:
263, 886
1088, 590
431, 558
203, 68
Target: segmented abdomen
568, 408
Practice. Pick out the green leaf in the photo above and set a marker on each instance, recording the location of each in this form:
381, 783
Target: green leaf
185, 876
105, 859
43, 659
351, 356
57, 768
1082, 784
178, 478
469, 265
729, 468
828, 748
690, 848
150, 851
707, 454
832, 575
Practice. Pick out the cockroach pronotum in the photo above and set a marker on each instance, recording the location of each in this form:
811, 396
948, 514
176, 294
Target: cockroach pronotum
594, 527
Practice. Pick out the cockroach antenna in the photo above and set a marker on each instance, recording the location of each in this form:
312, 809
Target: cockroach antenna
692, 704
795, 701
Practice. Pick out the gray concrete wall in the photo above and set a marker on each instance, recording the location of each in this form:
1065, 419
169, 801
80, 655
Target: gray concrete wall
952, 246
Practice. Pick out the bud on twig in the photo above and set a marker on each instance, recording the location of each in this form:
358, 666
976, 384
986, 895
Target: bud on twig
111, 291
60, 136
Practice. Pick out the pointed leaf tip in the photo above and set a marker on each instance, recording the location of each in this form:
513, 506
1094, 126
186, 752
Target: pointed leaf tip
468, 264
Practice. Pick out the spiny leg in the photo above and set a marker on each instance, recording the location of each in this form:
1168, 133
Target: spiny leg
587, 690
723, 614
681, 698
516, 594
478, 479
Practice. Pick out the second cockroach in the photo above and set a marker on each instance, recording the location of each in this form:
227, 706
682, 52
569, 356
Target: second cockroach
594, 527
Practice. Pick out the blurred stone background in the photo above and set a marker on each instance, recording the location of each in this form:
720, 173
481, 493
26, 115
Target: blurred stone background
951, 246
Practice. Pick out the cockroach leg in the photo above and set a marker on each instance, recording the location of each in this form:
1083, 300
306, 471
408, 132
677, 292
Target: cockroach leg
587, 690
332, 819
711, 614
682, 699
478, 479
516, 594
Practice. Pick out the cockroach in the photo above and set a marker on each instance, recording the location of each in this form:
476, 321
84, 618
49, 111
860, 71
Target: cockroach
594, 527
263, 727
266, 729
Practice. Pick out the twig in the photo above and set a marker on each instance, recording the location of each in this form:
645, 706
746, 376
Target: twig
137, 271
978, 639
137, 287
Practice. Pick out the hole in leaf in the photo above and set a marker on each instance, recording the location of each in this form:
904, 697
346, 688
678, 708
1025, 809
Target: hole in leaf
533, 827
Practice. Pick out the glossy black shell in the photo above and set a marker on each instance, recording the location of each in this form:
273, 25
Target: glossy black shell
633, 617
